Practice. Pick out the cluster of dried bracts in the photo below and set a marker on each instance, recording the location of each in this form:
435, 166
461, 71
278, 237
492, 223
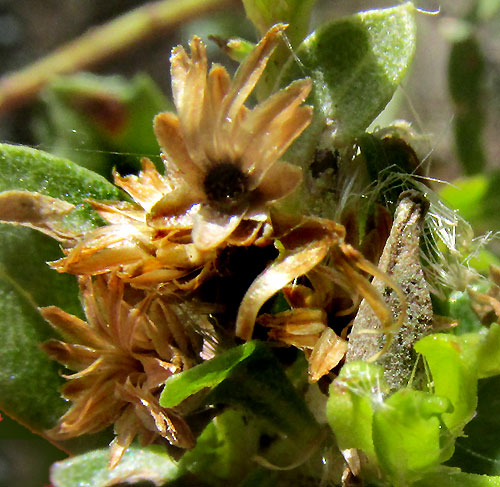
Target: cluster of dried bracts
191, 265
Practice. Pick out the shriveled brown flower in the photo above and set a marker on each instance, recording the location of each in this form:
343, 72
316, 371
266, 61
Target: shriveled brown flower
225, 153
222, 175
121, 359
141, 255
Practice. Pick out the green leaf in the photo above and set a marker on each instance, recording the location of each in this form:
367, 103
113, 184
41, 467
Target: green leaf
205, 375
235, 47
251, 379
452, 361
350, 406
356, 64
225, 451
29, 380
453, 477
477, 449
259, 385
408, 435
24, 168
138, 464
489, 353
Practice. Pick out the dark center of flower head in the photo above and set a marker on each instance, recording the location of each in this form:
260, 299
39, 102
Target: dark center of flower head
225, 186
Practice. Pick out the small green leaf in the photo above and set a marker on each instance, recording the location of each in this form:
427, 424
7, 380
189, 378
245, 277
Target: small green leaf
453, 364
350, 405
235, 47
24, 168
138, 464
205, 375
356, 64
225, 451
408, 435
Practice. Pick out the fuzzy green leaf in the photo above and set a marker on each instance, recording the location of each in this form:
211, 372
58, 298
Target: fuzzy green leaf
356, 64
24, 168
29, 380
138, 464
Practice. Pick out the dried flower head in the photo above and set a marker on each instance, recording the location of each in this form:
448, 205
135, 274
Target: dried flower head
121, 359
225, 153
222, 174
141, 255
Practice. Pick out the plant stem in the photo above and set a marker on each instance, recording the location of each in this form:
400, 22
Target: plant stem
100, 43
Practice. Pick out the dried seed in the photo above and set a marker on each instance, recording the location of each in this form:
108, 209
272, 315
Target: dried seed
401, 262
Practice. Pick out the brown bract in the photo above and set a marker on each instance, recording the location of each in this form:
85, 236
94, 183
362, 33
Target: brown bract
121, 359
225, 155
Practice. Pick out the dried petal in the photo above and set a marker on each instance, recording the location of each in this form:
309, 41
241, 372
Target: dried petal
328, 351
300, 260
37, 211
